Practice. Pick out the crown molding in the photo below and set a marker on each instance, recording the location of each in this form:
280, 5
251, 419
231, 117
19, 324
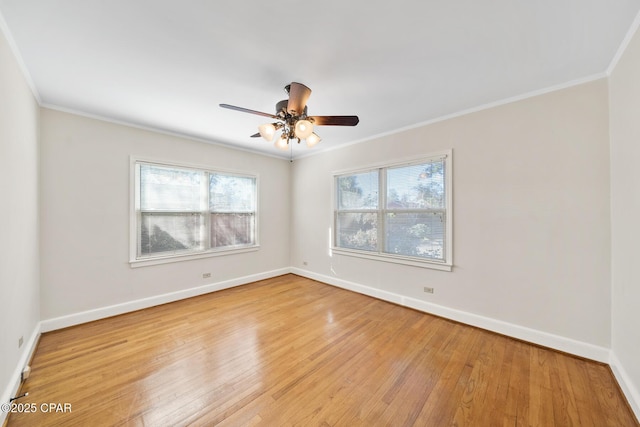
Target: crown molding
623, 46
4, 29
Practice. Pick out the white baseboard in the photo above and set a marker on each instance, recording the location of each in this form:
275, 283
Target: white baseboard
630, 391
567, 345
14, 383
129, 306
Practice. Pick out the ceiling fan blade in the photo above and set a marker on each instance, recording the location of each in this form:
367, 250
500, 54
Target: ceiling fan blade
335, 120
246, 110
255, 135
298, 96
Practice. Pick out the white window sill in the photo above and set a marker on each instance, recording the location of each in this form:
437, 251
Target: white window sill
394, 259
165, 259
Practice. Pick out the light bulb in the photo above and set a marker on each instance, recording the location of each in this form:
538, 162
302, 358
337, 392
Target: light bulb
267, 131
313, 140
303, 129
282, 143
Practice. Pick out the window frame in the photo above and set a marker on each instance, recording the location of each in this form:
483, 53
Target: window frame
205, 212
382, 210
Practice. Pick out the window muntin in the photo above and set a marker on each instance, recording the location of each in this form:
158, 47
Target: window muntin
400, 211
182, 211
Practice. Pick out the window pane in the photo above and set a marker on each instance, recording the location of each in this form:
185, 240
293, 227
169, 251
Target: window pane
232, 193
232, 229
357, 231
169, 189
169, 233
415, 234
416, 187
358, 191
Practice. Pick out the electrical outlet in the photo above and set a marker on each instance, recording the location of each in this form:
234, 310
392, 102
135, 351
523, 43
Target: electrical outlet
20, 342
428, 290
206, 275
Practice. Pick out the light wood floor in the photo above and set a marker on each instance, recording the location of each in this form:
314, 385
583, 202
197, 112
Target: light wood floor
292, 351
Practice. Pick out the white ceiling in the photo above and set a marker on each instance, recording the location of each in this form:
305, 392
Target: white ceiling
166, 65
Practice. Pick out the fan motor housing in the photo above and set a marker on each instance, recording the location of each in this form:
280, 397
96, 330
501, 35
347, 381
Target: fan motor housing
282, 106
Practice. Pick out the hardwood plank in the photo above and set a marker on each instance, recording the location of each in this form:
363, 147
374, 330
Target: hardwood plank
517, 399
293, 351
442, 404
473, 398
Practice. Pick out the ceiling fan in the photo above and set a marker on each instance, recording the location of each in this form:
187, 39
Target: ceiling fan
291, 116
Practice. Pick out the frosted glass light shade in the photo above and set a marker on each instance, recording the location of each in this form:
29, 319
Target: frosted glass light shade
303, 129
267, 131
282, 143
312, 140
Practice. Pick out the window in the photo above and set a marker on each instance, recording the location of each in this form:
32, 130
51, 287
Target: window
183, 211
399, 212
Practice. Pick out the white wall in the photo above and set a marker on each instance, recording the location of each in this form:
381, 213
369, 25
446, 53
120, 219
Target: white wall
85, 214
531, 214
625, 202
19, 271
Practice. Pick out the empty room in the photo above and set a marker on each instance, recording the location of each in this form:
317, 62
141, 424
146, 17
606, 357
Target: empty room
319, 214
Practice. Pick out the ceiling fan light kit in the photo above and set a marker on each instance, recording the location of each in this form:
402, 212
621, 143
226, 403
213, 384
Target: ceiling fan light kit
303, 129
267, 131
282, 143
312, 140
291, 116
